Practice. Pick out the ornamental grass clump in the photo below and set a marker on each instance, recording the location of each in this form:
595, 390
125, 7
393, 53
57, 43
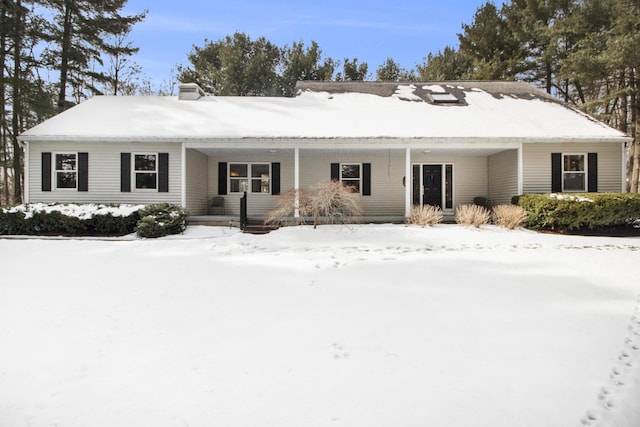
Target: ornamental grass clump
426, 216
509, 216
472, 215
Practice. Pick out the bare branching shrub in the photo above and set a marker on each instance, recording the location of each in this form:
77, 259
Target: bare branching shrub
331, 202
328, 202
509, 216
286, 207
472, 215
426, 215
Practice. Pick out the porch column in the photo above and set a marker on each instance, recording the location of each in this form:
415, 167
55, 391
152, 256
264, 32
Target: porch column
183, 176
407, 183
520, 170
296, 182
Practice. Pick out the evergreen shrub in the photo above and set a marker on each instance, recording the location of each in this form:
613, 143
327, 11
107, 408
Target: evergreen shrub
564, 212
35, 220
161, 220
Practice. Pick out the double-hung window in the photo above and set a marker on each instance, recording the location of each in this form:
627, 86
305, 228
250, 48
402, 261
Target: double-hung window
351, 175
250, 177
145, 171
66, 170
574, 176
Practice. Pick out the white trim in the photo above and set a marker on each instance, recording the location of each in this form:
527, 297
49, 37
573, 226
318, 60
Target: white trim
249, 178
443, 186
585, 172
359, 179
407, 183
296, 182
520, 169
183, 176
624, 168
54, 171
133, 171
26, 180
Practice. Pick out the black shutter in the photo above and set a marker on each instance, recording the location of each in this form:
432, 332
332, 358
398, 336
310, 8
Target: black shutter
125, 172
366, 179
556, 172
46, 171
163, 172
83, 171
222, 178
335, 171
275, 179
592, 173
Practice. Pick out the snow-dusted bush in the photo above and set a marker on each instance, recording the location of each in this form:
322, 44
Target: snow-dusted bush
69, 219
472, 215
509, 216
161, 219
426, 215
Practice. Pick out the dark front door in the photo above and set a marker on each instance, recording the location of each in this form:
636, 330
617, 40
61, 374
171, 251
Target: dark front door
432, 183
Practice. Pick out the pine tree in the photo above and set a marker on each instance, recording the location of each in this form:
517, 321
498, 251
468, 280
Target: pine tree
299, 63
80, 32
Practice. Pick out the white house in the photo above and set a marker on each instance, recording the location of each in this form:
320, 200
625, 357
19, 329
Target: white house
438, 143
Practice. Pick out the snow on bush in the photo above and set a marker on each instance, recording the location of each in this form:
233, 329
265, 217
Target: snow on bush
161, 220
80, 211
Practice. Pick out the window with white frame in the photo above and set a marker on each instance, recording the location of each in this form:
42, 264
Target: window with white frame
574, 176
66, 170
145, 171
351, 175
250, 177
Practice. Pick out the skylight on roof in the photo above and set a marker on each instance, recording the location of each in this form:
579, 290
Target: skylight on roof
442, 98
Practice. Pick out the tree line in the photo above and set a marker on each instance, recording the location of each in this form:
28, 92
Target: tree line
54, 54
585, 52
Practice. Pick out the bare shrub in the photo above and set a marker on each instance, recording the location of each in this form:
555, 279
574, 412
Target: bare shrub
426, 215
286, 207
331, 202
509, 216
472, 215
327, 202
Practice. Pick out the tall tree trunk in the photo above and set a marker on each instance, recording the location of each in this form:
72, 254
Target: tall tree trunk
64, 57
634, 152
3, 113
17, 103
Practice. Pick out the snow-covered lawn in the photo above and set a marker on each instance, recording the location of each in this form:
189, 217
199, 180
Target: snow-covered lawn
372, 325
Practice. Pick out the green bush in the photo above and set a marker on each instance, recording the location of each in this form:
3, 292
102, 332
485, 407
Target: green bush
161, 220
39, 219
580, 211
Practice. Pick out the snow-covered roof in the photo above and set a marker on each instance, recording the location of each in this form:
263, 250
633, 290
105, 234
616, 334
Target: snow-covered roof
459, 110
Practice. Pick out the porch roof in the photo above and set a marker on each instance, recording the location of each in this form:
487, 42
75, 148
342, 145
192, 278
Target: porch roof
480, 111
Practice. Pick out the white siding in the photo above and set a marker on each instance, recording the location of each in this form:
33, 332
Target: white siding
537, 165
257, 204
503, 177
197, 178
387, 171
104, 173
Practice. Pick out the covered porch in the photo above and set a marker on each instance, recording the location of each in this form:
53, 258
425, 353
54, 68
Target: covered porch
391, 176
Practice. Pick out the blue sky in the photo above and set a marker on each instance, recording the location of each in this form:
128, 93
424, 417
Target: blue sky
369, 30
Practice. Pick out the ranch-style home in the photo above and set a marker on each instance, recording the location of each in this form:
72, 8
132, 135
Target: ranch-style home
398, 145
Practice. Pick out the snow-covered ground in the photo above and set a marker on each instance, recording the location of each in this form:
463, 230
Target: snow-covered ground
371, 325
